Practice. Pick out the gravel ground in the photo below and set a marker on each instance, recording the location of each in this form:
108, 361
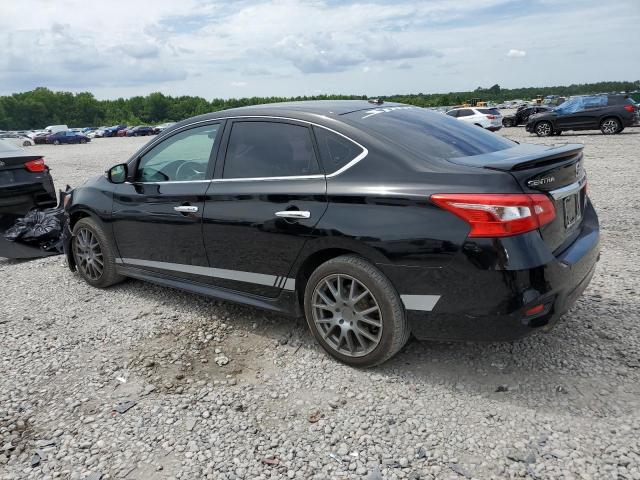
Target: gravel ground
227, 392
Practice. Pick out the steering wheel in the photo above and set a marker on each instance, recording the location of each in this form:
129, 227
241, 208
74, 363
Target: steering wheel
190, 171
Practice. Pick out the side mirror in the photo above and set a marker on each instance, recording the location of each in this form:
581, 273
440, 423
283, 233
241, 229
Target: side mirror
118, 173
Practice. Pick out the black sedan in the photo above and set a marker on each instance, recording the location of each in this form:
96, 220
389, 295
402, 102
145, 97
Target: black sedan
374, 221
25, 183
140, 131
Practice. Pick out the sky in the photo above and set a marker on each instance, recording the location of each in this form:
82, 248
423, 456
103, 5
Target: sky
224, 49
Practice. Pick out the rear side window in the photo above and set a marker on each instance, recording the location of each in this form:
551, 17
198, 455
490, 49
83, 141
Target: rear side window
269, 149
465, 112
427, 134
595, 102
335, 150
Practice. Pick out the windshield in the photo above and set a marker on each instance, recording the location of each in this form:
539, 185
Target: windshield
426, 133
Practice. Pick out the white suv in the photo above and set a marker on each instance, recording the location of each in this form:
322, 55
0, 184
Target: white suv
485, 117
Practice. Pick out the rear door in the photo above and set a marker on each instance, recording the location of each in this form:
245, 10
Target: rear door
263, 205
157, 216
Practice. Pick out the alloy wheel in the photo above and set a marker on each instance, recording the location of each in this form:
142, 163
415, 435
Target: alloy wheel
88, 254
347, 315
543, 129
609, 126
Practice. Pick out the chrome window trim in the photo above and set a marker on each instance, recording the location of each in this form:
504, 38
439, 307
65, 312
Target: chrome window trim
346, 167
570, 189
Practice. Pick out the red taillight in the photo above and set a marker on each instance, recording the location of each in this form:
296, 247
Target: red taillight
630, 108
498, 214
534, 310
491, 117
36, 165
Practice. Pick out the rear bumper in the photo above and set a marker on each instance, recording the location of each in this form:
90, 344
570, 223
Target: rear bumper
494, 128
484, 293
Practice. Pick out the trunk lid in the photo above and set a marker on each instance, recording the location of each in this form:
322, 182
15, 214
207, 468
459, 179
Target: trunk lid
555, 171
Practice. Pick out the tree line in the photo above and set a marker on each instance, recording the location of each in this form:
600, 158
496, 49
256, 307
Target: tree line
40, 107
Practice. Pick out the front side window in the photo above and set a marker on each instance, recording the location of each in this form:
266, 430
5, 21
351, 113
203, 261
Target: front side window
452, 113
465, 112
181, 157
269, 149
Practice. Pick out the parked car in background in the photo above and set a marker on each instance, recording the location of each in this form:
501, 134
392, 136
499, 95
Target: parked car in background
25, 181
163, 127
489, 118
40, 137
609, 113
56, 128
113, 130
121, 133
67, 137
522, 115
140, 131
17, 139
373, 221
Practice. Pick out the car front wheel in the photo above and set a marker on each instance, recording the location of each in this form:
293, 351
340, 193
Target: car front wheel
544, 129
93, 254
610, 126
354, 312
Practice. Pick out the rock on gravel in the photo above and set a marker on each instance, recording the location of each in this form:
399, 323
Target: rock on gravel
557, 405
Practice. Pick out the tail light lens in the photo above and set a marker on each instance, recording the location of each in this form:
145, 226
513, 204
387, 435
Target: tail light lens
491, 117
36, 165
497, 214
630, 108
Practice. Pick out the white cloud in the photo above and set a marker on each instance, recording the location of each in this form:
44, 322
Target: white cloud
297, 47
238, 84
515, 53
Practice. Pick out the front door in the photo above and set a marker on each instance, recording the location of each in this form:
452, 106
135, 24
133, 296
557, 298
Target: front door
157, 216
263, 205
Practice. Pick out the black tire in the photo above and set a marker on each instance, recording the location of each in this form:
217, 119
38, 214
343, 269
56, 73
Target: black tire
544, 129
82, 140
394, 326
108, 275
26, 143
508, 122
56, 142
610, 126
557, 133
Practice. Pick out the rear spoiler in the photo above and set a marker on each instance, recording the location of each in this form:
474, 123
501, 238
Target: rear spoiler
522, 157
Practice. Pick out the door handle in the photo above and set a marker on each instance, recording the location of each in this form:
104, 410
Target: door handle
186, 209
297, 214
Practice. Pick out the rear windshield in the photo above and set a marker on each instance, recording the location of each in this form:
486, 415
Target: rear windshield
427, 133
489, 111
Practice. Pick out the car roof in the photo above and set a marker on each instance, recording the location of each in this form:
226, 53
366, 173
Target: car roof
301, 110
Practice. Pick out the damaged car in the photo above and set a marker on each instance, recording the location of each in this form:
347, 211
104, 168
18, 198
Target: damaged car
25, 185
373, 220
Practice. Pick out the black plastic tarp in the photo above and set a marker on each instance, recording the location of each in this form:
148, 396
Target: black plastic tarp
36, 234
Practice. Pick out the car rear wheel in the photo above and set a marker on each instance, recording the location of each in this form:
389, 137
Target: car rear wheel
544, 129
610, 126
56, 142
93, 254
26, 143
82, 140
354, 312
508, 122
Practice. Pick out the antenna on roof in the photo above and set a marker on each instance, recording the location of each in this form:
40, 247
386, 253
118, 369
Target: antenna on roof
377, 101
